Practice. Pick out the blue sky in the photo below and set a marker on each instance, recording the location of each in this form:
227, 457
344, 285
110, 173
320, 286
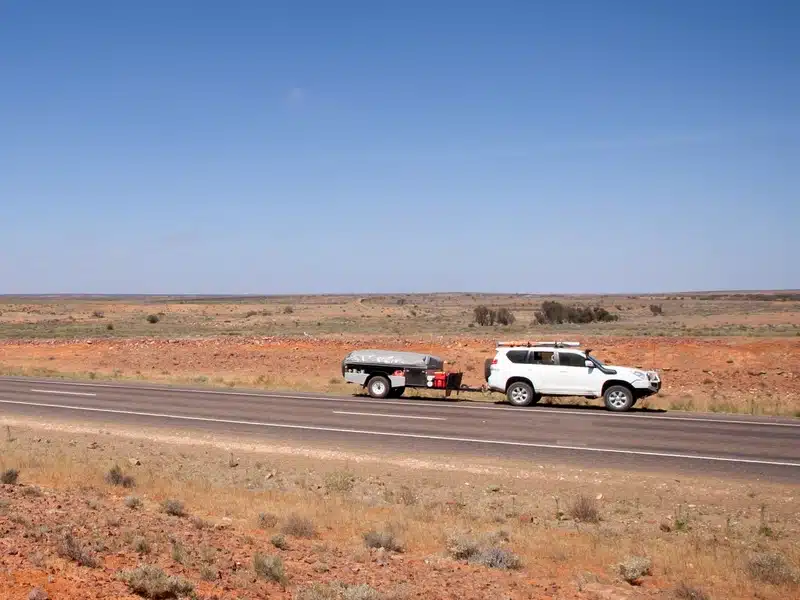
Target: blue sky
192, 146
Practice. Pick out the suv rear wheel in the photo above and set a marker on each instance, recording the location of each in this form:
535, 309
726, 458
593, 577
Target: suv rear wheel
618, 398
379, 387
520, 393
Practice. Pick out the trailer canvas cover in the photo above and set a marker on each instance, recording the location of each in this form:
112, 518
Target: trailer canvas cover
409, 360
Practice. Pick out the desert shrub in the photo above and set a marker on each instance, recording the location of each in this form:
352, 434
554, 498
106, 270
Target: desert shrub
687, 592
339, 481
267, 520
110, 326
463, 547
133, 502
178, 552
279, 541
173, 507
31, 492
772, 567
153, 319
288, 310
269, 567
115, 476
299, 527
72, 549
382, 539
362, 591
584, 509
505, 317
339, 591
556, 313
151, 582
38, 593
199, 523
209, 573
141, 545
656, 309
682, 519
481, 315
484, 551
633, 568
497, 558
113, 521
98, 314
485, 316
9, 476
406, 496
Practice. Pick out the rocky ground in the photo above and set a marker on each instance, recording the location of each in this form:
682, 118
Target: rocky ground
745, 375
236, 519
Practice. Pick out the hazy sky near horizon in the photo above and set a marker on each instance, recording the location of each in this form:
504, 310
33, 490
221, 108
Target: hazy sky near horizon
193, 146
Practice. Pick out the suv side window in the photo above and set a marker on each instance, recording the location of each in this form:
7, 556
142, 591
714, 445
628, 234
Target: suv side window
539, 357
517, 356
570, 359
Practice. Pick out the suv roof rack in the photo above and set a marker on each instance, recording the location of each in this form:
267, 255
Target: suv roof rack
557, 344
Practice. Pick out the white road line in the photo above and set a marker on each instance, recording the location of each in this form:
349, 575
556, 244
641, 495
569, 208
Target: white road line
363, 414
567, 412
63, 393
409, 435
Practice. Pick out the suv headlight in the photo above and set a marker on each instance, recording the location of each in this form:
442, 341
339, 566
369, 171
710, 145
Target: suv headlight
639, 375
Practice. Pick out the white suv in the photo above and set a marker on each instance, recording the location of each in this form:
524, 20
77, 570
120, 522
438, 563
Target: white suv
527, 372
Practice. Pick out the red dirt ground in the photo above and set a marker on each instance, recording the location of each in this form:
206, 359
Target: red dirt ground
726, 374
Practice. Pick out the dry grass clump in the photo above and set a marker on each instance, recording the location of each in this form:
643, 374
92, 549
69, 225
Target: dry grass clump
173, 507
72, 549
633, 568
339, 481
178, 552
267, 520
151, 582
486, 552
585, 510
9, 476
339, 591
299, 527
382, 539
141, 545
269, 567
686, 592
773, 568
115, 476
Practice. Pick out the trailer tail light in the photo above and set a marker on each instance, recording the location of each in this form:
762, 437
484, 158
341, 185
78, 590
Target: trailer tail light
494, 361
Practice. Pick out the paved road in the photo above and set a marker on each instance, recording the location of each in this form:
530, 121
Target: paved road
674, 442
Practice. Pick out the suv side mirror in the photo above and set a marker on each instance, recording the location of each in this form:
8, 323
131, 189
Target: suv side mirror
589, 364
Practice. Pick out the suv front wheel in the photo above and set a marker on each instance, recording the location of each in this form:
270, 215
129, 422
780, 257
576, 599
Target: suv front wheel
618, 398
520, 394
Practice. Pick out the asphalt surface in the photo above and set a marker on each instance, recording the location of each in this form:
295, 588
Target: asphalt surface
720, 445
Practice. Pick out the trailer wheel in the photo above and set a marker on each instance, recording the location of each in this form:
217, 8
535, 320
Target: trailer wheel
379, 387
